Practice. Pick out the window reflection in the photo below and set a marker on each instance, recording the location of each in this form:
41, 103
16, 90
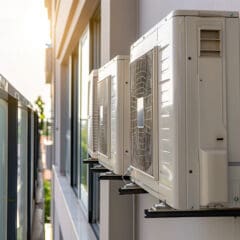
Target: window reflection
22, 175
83, 118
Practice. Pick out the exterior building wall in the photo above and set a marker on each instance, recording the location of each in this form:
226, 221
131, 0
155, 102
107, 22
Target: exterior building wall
81, 12
69, 217
122, 23
119, 19
57, 114
152, 11
63, 14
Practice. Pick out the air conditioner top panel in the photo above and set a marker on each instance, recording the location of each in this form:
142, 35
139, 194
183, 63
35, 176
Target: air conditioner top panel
151, 38
111, 67
116, 58
94, 73
151, 35
204, 13
120, 57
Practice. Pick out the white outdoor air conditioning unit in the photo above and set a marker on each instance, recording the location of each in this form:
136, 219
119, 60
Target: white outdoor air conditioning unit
114, 119
92, 114
184, 122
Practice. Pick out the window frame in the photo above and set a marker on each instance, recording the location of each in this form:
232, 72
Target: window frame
4, 203
85, 39
74, 122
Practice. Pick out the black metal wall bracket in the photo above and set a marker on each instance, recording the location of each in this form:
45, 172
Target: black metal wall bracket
112, 176
171, 213
90, 161
131, 188
99, 169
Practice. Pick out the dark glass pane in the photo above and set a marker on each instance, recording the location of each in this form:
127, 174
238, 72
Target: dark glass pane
84, 154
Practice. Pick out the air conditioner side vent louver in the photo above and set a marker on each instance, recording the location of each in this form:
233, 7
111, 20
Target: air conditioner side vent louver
210, 43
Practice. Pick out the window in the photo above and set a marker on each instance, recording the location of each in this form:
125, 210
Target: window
95, 63
3, 168
74, 123
84, 182
83, 114
79, 65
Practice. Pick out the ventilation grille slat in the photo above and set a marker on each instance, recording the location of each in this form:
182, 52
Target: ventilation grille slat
210, 43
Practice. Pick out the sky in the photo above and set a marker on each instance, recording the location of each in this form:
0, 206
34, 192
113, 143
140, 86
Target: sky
24, 33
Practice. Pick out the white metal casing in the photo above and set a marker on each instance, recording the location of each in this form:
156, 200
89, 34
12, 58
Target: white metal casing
114, 93
92, 114
192, 120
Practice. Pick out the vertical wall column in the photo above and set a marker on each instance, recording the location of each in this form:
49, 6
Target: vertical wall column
116, 212
118, 27
61, 116
118, 31
57, 112
64, 118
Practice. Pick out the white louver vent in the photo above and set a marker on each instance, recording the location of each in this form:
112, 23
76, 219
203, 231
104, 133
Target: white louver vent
104, 116
166, 138
92, 116
210, 43
114, 102
141, 112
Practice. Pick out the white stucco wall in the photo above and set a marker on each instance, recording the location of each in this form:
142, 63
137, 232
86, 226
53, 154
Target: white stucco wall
61, 23
152, 11
118, 27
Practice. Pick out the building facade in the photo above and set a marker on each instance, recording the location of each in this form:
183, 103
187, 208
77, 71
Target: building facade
86, 34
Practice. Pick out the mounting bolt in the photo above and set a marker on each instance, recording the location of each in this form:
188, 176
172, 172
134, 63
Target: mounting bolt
236, 198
